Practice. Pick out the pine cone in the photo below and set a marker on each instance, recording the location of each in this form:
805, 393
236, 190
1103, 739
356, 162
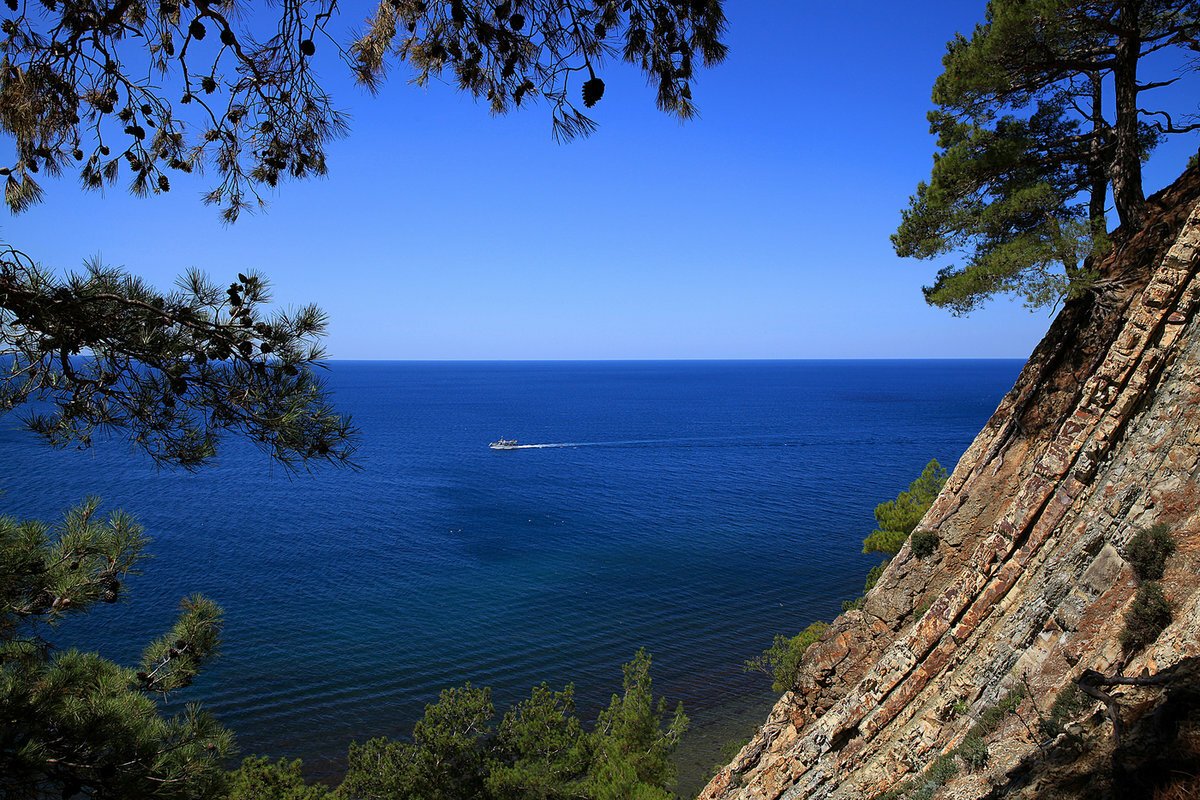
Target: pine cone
593, 90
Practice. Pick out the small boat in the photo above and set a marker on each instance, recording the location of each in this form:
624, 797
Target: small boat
504, 444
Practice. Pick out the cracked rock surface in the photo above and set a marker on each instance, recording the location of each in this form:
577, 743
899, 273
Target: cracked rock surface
1028, 587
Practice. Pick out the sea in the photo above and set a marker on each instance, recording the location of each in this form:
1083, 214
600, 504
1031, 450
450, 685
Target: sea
692, 508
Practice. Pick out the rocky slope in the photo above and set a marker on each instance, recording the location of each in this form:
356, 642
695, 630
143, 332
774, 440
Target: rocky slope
1028, 587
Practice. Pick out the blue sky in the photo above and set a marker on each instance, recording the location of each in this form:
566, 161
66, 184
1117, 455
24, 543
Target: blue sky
758, 231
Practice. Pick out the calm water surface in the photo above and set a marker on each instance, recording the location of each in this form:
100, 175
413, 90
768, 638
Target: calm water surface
692, 508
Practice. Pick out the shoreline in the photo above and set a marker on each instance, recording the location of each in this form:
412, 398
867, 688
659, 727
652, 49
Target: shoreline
703, 747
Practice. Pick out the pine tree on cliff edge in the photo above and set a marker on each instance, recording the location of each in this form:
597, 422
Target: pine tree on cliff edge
1029, 148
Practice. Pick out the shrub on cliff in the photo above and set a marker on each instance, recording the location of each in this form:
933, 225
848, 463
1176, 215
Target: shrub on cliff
899, 517
1148, 551
1147, 617
782, 659
1070, 703
923, 543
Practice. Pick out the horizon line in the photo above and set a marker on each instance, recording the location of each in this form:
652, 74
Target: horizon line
662, 359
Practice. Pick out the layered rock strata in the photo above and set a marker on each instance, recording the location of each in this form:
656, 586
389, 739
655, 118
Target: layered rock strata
1028, 587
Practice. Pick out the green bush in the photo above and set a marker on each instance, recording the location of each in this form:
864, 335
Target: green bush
874, 575
872, 578
539, 749
260, 779
990, 719
974, 752
896, 519
940, 772
888, 542
1148, 616
1069, 704
782, 659
1148, 550
903, 513
924, 543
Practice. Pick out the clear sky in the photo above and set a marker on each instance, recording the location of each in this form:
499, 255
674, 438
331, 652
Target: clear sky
759, 230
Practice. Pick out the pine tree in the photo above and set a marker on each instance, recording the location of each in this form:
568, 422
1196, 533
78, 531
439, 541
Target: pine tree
631, 748
72, 722
539, 750
238, 93
899, 517
1028, 150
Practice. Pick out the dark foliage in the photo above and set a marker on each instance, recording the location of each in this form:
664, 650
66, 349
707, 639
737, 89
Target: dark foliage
73, 722
1029, 148
139, 91
1070, 703
923, 543
1147, 617
104, 352
1148, 551
540, 749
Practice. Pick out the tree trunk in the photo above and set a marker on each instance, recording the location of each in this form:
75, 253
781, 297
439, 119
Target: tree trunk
1128, 195
1097, 161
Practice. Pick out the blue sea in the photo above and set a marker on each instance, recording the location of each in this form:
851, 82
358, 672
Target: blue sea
692, 508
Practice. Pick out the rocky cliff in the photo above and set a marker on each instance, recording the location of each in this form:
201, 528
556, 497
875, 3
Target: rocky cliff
1025, 596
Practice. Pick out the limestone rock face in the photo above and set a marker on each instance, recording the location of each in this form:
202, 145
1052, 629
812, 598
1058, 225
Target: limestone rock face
1028, 586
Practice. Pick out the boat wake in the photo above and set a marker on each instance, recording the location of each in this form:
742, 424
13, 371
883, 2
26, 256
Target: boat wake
715, 441
622, 443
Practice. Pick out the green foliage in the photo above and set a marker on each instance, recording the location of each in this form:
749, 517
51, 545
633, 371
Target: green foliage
260, 779
782, 659
1147, 617
942, 769
897, 518
888, 542
993, 716
253, 112
873, 576
631, 749
925, 786
444, 761
924, 543
994, 194
174, 371
974, 752
539, 750
1027, 150
1070, 703
74, 722
1148, 551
